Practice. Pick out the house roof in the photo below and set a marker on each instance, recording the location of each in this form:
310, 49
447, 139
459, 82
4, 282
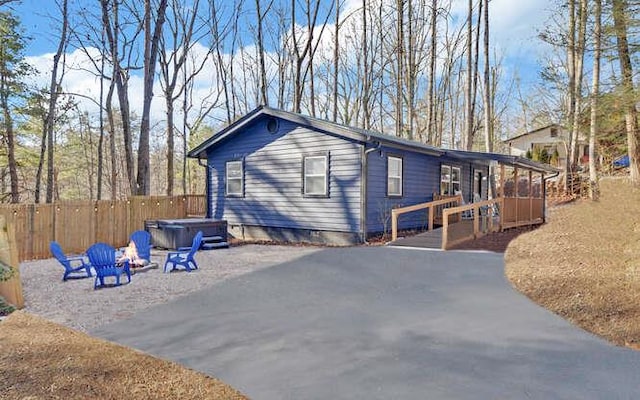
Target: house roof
364, 136
531, 132
502, 159
348, 132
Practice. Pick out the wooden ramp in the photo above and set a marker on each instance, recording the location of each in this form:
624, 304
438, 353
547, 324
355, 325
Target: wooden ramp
429, 240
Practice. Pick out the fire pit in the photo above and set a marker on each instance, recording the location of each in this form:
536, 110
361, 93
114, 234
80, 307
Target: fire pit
136, 263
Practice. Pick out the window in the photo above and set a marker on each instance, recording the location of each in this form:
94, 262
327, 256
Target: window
449, 180
394, 176
553, 132
235, 178
315, 173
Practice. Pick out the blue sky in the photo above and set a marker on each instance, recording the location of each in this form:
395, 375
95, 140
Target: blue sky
514, 28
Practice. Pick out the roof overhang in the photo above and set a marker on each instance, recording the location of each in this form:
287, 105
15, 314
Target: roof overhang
504, 159
356, 134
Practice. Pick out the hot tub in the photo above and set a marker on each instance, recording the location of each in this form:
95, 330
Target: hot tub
174, 233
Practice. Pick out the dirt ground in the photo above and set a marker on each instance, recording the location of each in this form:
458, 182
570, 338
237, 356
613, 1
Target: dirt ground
497, 242
43, 360
584, 264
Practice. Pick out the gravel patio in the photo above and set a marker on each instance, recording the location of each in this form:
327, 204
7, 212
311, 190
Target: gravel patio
76, 304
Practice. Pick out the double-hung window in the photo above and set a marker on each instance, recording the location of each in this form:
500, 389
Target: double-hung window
449, 180
315, 174
394, 176
234, 178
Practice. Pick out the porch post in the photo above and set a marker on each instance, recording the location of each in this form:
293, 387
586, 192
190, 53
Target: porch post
516, 178
530, 197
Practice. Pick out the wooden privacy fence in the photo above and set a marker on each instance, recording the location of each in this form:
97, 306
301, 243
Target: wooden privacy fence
76, 225
10, 290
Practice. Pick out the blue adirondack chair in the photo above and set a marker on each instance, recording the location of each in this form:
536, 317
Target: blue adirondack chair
103, 259
81, 269
185, 255
142, 240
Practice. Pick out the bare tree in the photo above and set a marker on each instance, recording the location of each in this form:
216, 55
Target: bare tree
113, 30
151, 46
13, 69
399, 67
175, 48
578, 63
595, 92
488, 123
620, 15
54, 92
336, 57
260, 13
431, 118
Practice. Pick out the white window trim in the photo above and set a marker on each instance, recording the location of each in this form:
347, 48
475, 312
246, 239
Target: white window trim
450, 183
325, 175
399, 177
228, 179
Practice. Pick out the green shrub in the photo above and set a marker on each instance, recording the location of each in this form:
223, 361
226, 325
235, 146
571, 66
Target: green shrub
5, 308
6, 272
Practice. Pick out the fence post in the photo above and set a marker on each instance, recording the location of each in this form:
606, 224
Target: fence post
476, 220
11, 290
445, 228
431, 212
394, 225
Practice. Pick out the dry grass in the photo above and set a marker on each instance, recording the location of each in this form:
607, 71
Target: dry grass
43, 360
584, 264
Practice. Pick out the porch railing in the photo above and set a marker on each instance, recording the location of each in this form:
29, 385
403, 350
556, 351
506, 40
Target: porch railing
431, 206
472, 221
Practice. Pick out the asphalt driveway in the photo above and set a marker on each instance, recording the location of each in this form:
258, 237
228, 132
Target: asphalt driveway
382, 323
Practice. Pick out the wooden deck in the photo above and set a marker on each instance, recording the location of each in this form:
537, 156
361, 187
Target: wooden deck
428, 240
458, 232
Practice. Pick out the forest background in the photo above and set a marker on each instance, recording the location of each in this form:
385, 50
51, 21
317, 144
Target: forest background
102, 99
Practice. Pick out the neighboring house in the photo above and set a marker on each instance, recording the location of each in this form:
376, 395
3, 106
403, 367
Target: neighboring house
283, 176
552, 138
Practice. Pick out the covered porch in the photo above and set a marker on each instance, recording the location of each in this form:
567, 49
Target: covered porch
516, 199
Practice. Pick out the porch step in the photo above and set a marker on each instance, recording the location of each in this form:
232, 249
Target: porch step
213, 242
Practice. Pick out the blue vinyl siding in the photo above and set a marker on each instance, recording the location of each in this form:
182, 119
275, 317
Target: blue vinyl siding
273, 179
420, 181
421, 174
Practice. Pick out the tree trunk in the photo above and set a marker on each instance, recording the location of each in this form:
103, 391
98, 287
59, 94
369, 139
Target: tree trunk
399, 67
595, 92
620, 15
468, 136
43, 152
151, 42
571, 52
11, 147
263, 72
112, 139
336, 54
121, 78
54, 90
578, 73
488, 125
431, 119
170, 145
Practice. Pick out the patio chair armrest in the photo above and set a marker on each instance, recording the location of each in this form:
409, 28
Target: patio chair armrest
184, 248
84, 260
174, 253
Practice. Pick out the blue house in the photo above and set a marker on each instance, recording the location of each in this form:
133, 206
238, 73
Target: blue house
277, 175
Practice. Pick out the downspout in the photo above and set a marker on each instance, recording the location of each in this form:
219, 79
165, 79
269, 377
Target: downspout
364, 171
544, 195
206, 187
